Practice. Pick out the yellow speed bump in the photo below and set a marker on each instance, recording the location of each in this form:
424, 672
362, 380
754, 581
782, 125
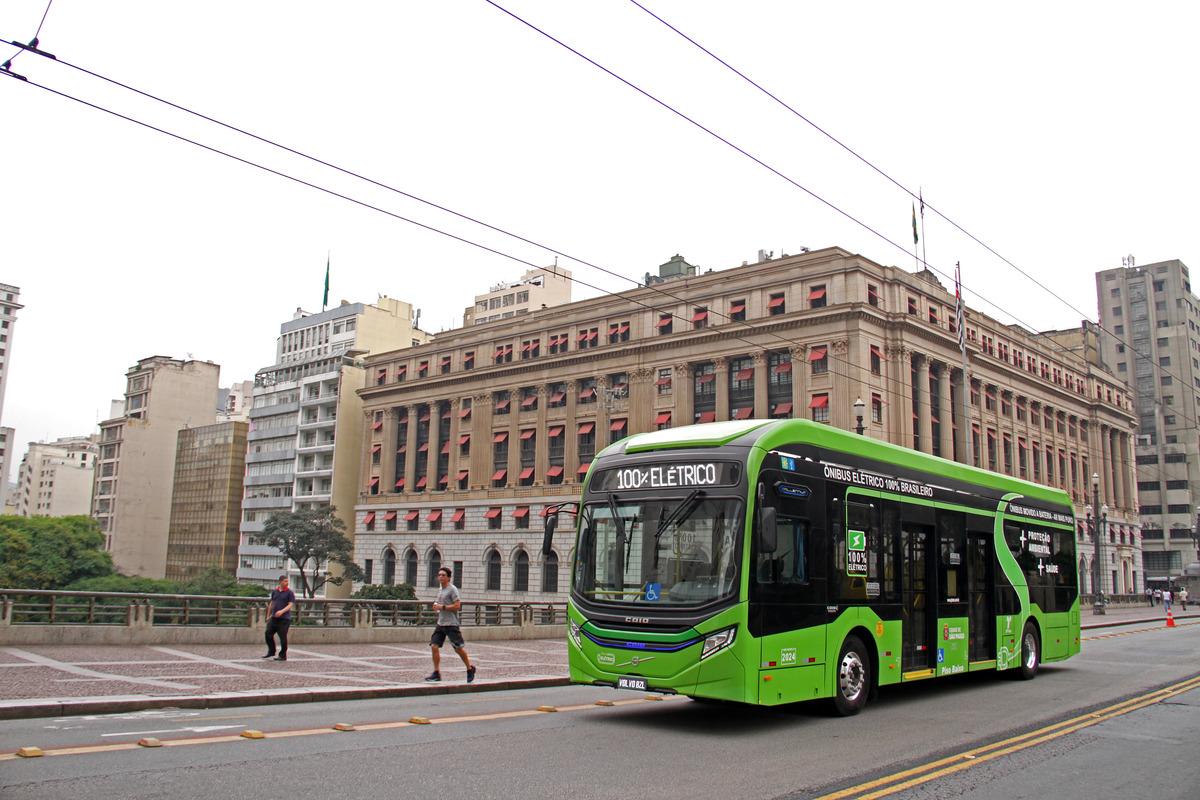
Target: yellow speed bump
604, 702
547, 708
343, 726
30, 752
252, 734
419, 720
653, 697
150, 741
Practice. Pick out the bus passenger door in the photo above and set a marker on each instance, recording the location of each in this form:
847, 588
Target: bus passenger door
918, 645
982, 622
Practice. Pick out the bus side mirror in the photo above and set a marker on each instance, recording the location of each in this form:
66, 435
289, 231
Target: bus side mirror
768, 533
548, 539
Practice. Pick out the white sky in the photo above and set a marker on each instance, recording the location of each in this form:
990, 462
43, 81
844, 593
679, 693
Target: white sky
1062, 135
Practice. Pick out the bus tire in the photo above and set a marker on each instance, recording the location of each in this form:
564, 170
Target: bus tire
1031, 653
852, 682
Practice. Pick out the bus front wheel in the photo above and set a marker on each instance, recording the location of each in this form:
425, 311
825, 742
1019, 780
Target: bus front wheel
853, 680
1031, 653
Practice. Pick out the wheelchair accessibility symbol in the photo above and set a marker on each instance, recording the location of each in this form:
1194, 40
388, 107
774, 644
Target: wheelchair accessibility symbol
652, 592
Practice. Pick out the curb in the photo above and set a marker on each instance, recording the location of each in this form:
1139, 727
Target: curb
22, 709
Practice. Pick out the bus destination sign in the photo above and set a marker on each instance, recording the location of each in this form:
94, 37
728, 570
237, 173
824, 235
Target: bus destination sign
698, 475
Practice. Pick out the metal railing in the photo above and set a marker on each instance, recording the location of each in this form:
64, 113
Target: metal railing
44, 607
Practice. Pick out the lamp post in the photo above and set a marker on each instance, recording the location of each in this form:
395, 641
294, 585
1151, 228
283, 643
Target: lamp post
1098, 522
859, 407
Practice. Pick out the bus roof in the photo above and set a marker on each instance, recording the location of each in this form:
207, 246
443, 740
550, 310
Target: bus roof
769, 434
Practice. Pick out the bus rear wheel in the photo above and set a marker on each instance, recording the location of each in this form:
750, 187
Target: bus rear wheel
1031, 653
853, 679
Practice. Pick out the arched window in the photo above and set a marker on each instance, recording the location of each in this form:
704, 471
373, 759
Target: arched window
521, 572
493, 572
389, 566
435, 563
550, 573
410, 567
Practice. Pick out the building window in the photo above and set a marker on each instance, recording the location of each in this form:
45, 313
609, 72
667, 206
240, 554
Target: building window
873, 295
663, 384
816, 297
389, 567
492, 515
818, 359
876, 360
619, 332
776, 305
665, 322
737, 311
700, 318
431, 572
521, 518
550, 573
493, 572
912, 306
819, 405
521, 572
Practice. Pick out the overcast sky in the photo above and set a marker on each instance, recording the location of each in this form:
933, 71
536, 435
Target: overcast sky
1061, 135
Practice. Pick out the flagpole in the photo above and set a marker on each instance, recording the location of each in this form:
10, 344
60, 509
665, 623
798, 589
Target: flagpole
916, 240
924, 230
965, 391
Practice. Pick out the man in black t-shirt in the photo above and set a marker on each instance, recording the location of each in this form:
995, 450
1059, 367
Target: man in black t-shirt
279, 618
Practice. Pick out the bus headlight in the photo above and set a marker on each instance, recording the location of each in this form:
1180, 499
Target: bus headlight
573, 629
716, 642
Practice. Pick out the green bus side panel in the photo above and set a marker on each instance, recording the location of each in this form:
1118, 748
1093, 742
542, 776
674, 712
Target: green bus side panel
792, 666
952, 646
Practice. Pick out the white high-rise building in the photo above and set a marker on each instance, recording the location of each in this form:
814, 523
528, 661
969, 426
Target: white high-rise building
306, 423
55, 478
8, 323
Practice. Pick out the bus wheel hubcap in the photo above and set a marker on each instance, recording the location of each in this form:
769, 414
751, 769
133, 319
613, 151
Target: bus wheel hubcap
852, 676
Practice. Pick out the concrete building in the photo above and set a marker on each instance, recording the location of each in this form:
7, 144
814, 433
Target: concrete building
472, 435
9, 306
306, 422
55, 479
1151, 339
537, 289
132, 498
233, 404
206, 500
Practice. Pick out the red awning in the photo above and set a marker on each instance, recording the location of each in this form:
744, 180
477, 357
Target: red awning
783, 366
817, 353
377, 425
776, 302
373, 482
700, 316
499, 352
617, 425
558, 397
445, 361
583, 468
369, 518
468, 358
707, 416
663, 418
458, 515
663, 382
463, 475
423, 448
466, 437
613, 330
401, 448
400, 370
492, 512
445, 448
424, 416
501, 405
521, 511
466, 412
744, 374
588, 392
877, 352
528, 401
744, 413
375, 448
664, 322
554, 472
819, 401
557, 430
400, 483
411, 515
528, 433
781, 409
499, 437
737, 308
499, 476
816, 294
434, 515
526, 474
421, 483
390, 515
706, 377
586, 427
623, 329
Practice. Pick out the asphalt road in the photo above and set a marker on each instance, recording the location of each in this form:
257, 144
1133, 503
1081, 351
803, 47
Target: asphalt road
979, 736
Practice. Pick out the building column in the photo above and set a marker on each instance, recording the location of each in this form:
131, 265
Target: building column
387, 458
479, 464
541, 457
841, 398
513, 466
1124, 486
762, 409
963, 432
901, 404
721, 368
945, 411
571, 431
455, 425
641, 401
368, 435
683, 412
799, 381
922, 405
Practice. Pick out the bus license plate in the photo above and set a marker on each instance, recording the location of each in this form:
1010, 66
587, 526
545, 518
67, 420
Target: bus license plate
632, 683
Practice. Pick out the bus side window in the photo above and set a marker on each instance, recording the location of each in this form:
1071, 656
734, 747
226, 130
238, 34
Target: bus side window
789, 563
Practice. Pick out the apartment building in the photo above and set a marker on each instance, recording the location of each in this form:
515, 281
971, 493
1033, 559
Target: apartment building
1151, 339
55, 479
9, 306
471, 436
306, 422
536, 289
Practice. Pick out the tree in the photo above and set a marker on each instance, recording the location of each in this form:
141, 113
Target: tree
50, 552
313, 537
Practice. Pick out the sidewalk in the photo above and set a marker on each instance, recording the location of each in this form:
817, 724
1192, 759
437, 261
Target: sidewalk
65, 680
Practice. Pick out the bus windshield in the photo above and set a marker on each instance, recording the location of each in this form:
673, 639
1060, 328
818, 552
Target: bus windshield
675, 551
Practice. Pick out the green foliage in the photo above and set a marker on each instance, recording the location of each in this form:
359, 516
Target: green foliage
383, 591
313, 538
216, 581
50, 552
125, 585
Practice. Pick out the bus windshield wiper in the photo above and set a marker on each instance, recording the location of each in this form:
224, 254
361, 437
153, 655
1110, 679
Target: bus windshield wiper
621, 540
677, 515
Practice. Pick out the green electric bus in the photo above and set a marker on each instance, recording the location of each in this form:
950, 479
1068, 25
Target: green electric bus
777, 561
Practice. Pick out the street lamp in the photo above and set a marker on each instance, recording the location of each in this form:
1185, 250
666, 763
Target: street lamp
859, 407
1098, 523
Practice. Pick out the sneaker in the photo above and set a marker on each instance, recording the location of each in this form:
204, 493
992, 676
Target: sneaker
470, 674
281, 658
436, 676
269, 655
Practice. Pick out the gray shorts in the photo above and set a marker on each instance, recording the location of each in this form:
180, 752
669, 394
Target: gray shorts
443, 632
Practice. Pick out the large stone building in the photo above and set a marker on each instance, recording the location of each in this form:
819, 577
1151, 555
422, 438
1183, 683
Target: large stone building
1151, 338
132, 499
8, 324
471, 436
55, 479
306, 419
206, 500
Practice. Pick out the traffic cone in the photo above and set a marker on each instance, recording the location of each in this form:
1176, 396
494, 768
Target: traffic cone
1170, 619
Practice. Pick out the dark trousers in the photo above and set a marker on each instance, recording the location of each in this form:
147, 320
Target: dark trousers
280, 626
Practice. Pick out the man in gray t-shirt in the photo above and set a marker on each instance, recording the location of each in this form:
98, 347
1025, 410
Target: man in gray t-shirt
447, 605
